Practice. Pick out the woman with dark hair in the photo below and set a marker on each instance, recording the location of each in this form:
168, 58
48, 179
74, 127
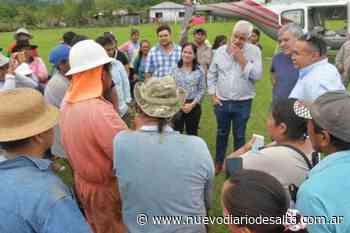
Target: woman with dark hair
289, 157
219, 41
191, 77
139, 63
251, 195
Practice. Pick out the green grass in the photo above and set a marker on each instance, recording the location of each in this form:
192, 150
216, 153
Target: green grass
47, 39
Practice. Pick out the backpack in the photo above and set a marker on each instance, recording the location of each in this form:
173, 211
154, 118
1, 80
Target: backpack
292, 188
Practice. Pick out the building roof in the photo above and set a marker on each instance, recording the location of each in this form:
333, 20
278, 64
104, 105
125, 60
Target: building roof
167, 5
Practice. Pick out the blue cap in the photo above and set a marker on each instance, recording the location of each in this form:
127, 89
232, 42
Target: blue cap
59, 54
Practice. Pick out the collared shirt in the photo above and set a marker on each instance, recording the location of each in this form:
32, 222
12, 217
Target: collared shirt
34, 199
159, 64
343, 59
286, 75
326, 193
163, 180
315, 80
228, 81
122, 86
54, 94
204, 55
193, 82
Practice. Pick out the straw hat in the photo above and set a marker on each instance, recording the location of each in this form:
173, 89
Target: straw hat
159, 97
24, 113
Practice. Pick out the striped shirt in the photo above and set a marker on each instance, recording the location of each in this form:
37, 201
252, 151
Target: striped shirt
160, 64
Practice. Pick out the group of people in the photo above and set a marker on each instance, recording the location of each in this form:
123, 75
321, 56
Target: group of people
128, 164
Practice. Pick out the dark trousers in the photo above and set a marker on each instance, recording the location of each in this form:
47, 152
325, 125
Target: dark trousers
238, 113
188, 121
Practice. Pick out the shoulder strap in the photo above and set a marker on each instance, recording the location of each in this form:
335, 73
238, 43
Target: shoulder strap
309, 164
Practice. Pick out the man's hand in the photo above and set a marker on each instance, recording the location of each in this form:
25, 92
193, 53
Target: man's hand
188, 107
216, 100
238, 55
11, 69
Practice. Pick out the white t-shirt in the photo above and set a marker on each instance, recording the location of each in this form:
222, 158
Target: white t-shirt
283, 163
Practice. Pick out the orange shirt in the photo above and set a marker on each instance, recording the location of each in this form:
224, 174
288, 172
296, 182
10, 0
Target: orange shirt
87, 131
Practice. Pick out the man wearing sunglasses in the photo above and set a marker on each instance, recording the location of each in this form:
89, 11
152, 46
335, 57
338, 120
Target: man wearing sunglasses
316, 74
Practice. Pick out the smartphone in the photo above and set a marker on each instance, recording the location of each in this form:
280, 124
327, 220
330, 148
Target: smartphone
259, 142
233, 165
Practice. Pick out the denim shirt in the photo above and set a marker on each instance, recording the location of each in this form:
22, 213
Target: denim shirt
122, 86
34, 200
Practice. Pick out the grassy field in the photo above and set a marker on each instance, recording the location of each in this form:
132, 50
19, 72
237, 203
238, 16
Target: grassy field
47, 39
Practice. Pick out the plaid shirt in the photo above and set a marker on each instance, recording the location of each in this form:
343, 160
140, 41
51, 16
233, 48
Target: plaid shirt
160, 64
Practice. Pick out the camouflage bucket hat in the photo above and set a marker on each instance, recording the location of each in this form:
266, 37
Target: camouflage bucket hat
159, 97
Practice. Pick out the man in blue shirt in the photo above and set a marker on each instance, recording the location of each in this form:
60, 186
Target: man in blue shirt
326, 192
316, 75
33, 198
283, 73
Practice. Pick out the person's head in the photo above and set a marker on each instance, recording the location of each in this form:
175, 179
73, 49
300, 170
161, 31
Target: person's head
108, 44
68, 38
4, 66
134, 35
255, 36
145, 46
328, 121
158, 100
241, 33
27, 125
308, 50
189, 56
164, 35
22, 34
253, 195
219, 41
287, 37
199, 35
59, 57
78, 38
24, 47
283, 124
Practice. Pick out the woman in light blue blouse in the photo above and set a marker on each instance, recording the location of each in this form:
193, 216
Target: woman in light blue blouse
190, 76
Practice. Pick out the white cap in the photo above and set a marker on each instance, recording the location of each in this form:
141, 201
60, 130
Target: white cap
23, 31
3, 60
23, 69
85, 55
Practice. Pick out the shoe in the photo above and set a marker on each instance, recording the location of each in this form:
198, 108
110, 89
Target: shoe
218, 168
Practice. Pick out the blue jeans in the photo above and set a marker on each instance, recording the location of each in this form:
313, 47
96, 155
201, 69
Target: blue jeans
238, 113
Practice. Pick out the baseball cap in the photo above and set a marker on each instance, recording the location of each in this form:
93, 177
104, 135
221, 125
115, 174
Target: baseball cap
23, 31
330, 111
58, 54
3, 60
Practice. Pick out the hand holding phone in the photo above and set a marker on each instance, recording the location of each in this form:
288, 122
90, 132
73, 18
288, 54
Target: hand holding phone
259, 141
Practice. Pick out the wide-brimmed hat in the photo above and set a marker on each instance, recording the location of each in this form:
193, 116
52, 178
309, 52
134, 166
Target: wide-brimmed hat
330, 111
159, 98
23, 44
24, 113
